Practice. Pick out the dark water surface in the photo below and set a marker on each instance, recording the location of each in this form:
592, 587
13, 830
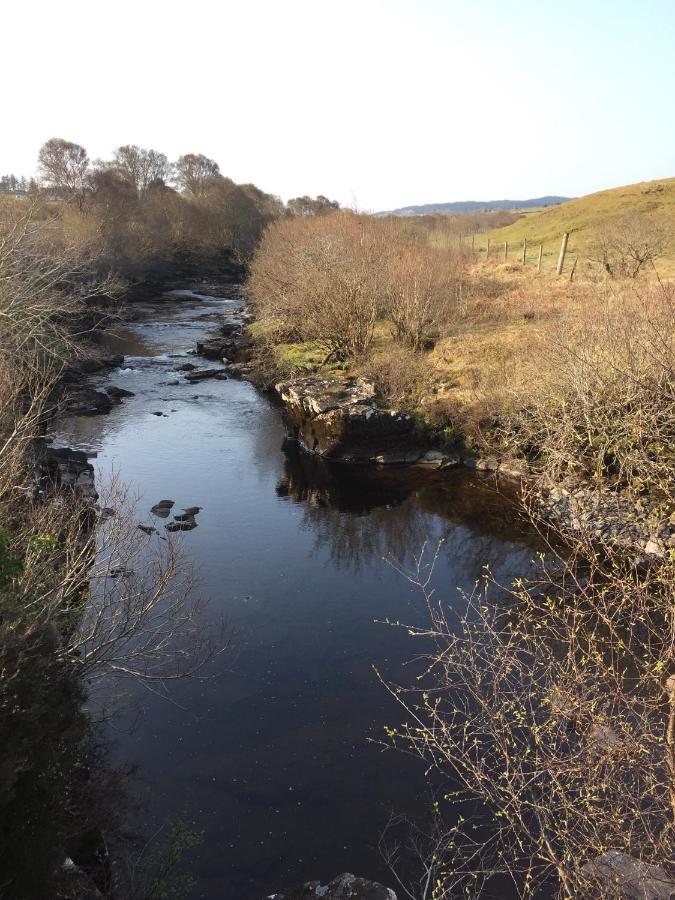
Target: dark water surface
271, 759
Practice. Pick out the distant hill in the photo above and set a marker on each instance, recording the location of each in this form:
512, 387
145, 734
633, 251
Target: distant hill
472, 206
654, 201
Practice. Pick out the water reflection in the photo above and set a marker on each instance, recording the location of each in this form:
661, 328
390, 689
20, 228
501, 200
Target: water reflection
362, 515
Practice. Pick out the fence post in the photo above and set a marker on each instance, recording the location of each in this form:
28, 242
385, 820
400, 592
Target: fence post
524, 249
574, 268
541, 251
506, 250
487, 252
473, 238
563, 251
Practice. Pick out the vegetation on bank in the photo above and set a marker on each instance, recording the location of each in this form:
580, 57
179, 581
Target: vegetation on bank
562, 375
74, 606
548, 706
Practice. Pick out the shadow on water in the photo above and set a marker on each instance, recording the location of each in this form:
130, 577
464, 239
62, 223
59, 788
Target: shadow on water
276, 758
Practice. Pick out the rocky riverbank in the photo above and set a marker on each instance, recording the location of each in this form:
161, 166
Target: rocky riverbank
340, 419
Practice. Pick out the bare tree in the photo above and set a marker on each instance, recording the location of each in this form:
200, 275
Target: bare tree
194, 172
64, 166
144, 168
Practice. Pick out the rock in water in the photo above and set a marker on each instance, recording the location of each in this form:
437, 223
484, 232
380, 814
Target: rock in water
117, 393
344, 887
181, 526
201, 374
162, 509
191, 510
86, 401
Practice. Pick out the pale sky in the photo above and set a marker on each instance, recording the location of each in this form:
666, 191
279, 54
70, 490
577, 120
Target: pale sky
377, 103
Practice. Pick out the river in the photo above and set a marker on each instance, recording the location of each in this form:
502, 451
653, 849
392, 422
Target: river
272, 757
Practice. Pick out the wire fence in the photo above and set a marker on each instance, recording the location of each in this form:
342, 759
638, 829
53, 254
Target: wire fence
544, 256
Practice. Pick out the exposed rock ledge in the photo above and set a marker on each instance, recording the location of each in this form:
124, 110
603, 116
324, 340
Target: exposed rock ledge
340, 419
344, 887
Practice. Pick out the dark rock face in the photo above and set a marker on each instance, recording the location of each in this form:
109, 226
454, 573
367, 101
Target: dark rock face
186, 525
231, 344
91, 364
344, 887
118, 393
339, 419
239, 370
63, 467
86, 401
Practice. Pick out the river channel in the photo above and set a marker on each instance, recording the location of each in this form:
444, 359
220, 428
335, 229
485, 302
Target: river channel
272, 758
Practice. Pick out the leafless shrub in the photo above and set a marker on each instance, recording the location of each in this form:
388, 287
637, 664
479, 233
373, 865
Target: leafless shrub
600, 402
120, 600
627, 245
319, 278
548, 705
42, 275
423, 290
329, 279
420, 849
401, 376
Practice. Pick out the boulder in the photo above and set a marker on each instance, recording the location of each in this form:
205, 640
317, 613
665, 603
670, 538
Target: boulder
162, 509
436, 459
90, 364
86, 401
214, 348
339, 418
229, 329
181, 526
237, 370
622, 875
118, 393
344, 887
202, 374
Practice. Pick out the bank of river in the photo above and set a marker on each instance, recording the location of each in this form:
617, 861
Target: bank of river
271, 758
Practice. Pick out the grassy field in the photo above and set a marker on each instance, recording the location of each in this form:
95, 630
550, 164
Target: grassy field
655, 200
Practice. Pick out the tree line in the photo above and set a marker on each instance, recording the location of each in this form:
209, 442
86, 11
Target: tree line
144, 212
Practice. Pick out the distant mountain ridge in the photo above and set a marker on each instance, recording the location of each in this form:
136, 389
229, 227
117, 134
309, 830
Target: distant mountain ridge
470, 206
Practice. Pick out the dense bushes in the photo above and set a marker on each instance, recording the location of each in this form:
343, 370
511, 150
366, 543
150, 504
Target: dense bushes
329, 279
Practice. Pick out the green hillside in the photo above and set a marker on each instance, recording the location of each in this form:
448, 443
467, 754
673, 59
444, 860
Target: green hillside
655, 200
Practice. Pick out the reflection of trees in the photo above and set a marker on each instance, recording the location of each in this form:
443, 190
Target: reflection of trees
363, 513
